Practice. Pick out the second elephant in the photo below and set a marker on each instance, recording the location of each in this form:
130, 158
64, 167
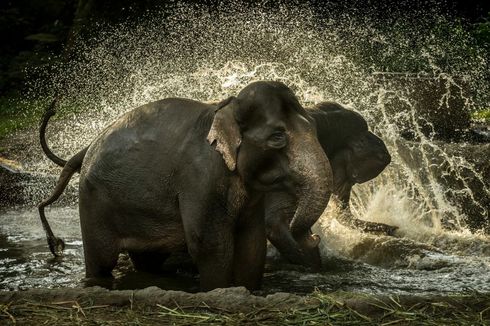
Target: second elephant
356, 155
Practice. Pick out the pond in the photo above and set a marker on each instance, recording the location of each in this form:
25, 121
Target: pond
373, 264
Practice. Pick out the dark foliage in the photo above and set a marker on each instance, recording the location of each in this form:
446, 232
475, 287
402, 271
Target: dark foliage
33, 32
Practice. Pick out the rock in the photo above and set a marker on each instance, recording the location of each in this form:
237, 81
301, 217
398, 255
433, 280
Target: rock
11, 181
19, 187
438, 101
469, 169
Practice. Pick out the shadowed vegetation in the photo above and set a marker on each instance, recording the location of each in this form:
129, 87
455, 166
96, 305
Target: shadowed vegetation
17, 113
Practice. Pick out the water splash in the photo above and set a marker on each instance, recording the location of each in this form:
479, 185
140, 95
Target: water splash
208, 56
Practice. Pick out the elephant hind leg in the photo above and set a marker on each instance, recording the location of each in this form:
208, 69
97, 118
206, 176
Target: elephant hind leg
101, 244
150, 262
99, 261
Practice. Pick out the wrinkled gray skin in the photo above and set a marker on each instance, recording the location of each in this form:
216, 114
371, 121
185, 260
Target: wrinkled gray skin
178, 174
356, 155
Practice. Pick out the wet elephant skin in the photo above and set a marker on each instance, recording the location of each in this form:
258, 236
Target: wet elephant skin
178, 174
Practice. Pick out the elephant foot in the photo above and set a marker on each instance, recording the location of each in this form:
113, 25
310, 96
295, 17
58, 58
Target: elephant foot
309, 241
373, 227
104, 282
308, 252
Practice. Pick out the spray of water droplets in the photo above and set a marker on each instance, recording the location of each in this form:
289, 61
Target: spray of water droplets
207, 56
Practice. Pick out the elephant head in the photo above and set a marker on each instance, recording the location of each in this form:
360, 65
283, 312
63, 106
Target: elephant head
355, 154
345, 137
270, 140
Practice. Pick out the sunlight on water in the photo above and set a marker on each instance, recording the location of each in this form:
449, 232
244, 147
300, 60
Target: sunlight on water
209, 57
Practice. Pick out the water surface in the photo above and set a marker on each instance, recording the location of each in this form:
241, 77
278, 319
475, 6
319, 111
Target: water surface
372, 264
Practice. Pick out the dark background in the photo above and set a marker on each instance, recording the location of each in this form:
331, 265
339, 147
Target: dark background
33, 33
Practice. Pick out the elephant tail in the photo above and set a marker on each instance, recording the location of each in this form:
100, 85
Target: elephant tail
56, 245
42, 135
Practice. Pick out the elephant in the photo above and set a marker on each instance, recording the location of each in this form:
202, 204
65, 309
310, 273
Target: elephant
356, 155
179, 174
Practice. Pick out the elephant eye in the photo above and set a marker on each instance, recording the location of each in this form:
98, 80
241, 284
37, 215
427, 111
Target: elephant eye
277, 140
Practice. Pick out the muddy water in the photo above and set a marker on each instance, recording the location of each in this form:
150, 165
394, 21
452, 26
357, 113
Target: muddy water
369, 264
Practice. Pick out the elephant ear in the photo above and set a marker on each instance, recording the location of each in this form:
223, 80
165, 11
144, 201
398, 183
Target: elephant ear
226, 132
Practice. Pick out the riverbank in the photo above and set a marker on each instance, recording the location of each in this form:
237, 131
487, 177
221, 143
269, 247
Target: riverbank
153, 306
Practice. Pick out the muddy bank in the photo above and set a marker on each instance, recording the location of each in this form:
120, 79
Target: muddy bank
153, 306
236, 299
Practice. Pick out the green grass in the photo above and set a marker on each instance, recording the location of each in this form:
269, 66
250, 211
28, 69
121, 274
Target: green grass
481, 115
17, 113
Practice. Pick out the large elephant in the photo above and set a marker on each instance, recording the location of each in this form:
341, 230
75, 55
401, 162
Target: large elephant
177, 174
356, 155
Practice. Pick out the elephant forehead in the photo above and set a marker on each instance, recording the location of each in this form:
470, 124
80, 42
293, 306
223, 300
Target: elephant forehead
266, 111
267, 95
273, 109
263, 87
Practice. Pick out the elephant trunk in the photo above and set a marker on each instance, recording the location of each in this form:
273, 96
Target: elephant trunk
313, 174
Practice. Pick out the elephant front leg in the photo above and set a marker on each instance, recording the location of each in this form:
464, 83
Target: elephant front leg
280, 236
215, 268
210, 242
212, 251
250, 250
